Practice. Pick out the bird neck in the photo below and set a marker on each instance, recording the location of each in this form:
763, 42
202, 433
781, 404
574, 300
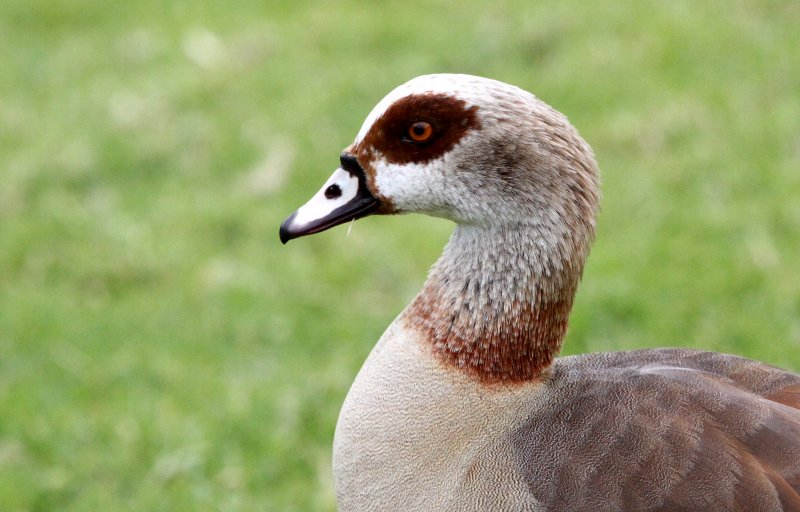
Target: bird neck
496, 303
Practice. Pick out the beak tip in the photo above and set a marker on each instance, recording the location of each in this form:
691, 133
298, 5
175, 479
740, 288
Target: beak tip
285, 233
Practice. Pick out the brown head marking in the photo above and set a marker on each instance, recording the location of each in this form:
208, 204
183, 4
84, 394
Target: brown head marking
450, 118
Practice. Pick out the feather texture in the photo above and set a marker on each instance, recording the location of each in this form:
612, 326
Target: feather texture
664, 429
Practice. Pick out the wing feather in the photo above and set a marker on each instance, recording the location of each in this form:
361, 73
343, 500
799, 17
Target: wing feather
664, 430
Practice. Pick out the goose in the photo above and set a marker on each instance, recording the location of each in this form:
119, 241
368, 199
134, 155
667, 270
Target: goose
463, 404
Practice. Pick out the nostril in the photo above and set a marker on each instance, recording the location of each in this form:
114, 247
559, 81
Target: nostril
333, 191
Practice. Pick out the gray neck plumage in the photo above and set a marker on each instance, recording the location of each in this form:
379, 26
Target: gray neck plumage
497, 301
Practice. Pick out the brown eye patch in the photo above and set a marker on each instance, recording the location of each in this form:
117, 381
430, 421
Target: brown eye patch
421, 127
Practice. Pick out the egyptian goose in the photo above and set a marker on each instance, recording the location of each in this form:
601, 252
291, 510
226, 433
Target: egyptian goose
463, 405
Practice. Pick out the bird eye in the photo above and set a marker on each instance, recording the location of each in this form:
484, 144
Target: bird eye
420, 131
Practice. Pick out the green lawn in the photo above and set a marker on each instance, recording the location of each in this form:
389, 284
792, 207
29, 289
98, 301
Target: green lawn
161, 351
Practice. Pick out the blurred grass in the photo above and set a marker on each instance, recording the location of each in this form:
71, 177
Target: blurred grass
159, 349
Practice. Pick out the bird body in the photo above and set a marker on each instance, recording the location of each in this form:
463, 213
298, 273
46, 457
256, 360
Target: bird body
662, 429
463, 404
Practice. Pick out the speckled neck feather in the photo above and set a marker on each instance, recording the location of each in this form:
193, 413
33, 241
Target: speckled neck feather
496, 304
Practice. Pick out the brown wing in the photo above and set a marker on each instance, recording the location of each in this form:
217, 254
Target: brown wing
664, 430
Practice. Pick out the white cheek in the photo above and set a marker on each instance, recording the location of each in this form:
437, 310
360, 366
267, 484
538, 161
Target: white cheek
413, 187
319, 206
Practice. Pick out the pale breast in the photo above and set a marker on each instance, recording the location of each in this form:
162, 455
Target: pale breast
414, 435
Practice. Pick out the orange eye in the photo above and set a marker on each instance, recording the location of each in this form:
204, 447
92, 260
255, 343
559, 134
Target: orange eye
420, 131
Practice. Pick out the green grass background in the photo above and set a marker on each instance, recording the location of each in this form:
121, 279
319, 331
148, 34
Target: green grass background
161, 351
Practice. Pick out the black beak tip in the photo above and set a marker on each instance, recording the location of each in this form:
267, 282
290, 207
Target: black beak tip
285, 233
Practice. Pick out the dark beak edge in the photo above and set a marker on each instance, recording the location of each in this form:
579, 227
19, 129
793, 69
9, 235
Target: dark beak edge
361, 205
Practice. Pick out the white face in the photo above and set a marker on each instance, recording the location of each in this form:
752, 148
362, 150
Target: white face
423, 188
430, 177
